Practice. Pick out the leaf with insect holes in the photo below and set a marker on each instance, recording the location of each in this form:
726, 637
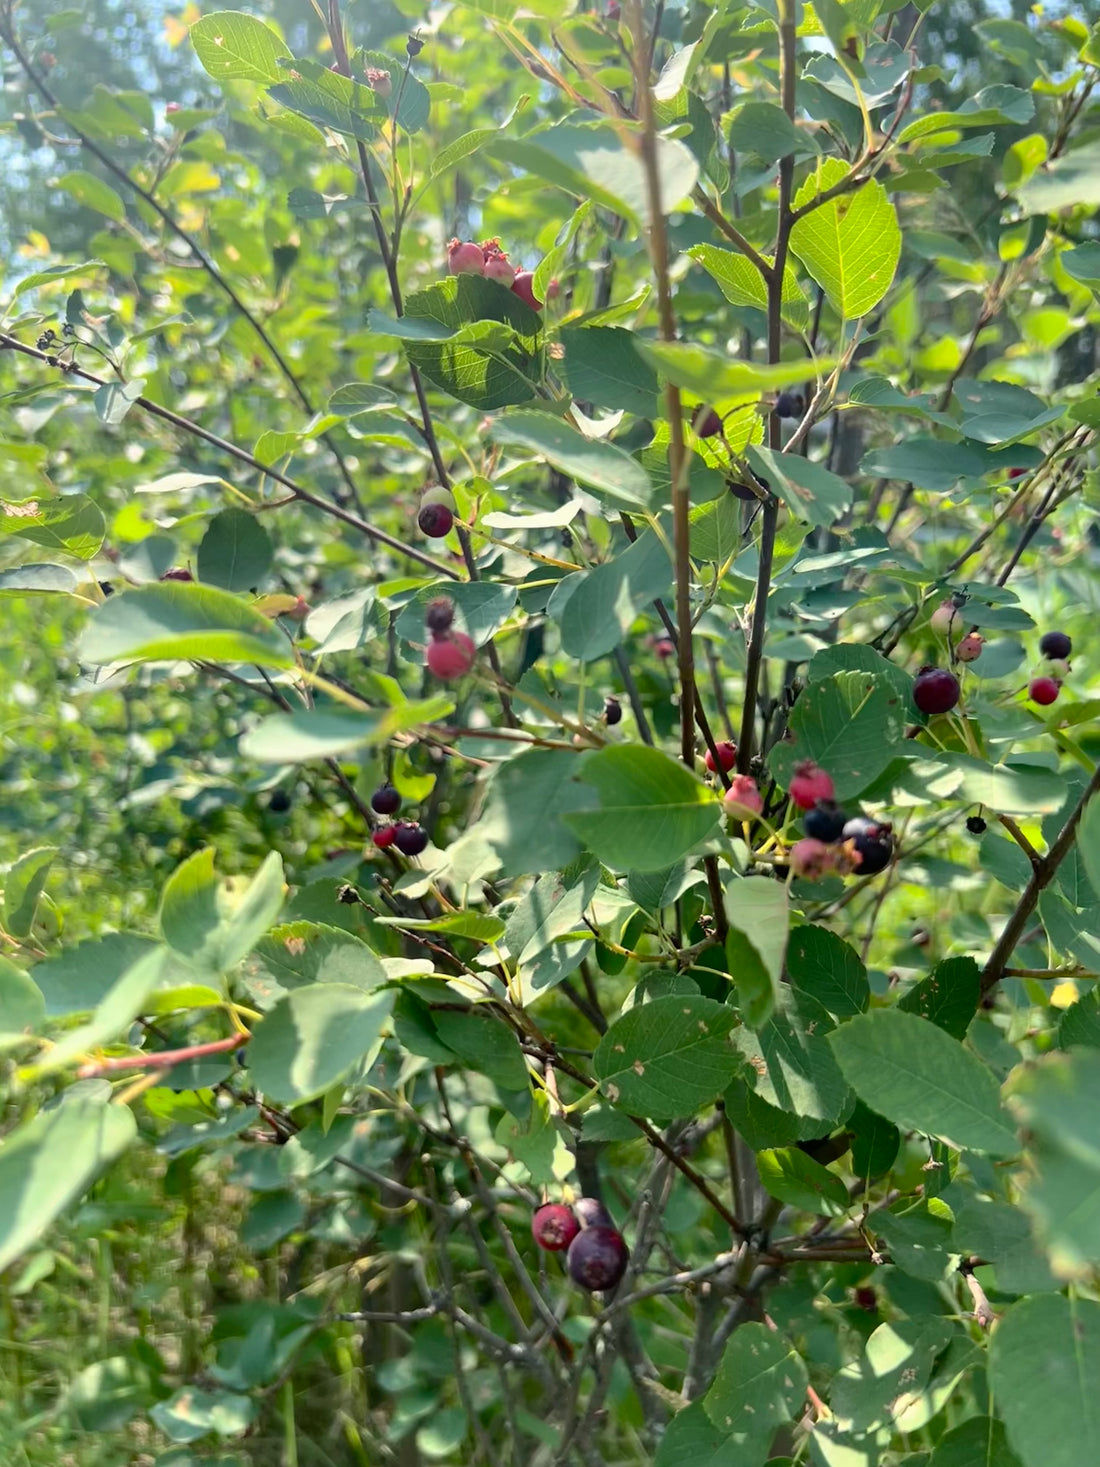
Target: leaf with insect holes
668, 1057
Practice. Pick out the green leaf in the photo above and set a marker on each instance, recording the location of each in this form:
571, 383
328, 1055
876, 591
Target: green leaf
713, 375
176, 620
691, 1439
52, 1160
485, 1045
1088, 841
55, 274
522, 818
875, 1142
599, 607
874, 1391
1002, 1234
91, 192
810, 491
236, 551
949, 996
490, 368
791, 1066
409, 102
42, 579
652, 810
978, 1442
76, 979
1056, 1100
759, 1386
1044, 1361
823, 965
310, 733
995, 104
215, 924
851, 724
792, 1177
313, 1037
916, 1075
919, 1239
757, 908
592, 462
72, 523
851, 245
764, 129
667, 1057
299, 954
481, 609
930, 463
331, 101
22, 1006
233, 46
601, 365
742, 283
23, 886
193, 1413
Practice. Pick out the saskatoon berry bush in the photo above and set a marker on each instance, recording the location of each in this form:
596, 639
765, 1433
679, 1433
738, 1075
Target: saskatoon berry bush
552, 897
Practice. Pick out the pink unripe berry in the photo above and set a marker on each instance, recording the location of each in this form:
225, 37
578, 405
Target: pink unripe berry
553, 289
452, 656
497, 267
1016, 473
810, 783
812, 858
970, 648
727, 756
743, 800
1043, 690
554, 1227
465, 258
944, 617
379, 81
169, 107
1059, 668
523, 286
664, 648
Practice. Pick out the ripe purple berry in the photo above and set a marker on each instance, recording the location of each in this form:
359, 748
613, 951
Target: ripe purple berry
612, 711
976, 825
789, 405
410, 838
1055, 644
591, 1213
554, 1227
435, 520
872, 841
706, 421
935, 690
825, 822
385, 800
597, 1258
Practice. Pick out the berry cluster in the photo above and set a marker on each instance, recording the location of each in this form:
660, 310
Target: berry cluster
409, 837
833, 840
596, 1255
464, 257
1055, 647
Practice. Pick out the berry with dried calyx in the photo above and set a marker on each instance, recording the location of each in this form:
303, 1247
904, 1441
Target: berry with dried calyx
381, 84
812, 858
439, 615
872, 844
384, 836
413, 46
597, 1258
1043, 690
500, 269
385, 800
935, 690
451, 656
727, 756
612, 711
524, 286
706, 421
743, 800
970, 648
1055, 644
810, 783
410, 838
976, 825
554, 1227
464, 257
825, 821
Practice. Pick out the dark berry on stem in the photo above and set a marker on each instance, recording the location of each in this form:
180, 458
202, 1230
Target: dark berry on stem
612, 711
1055, 644
935, 690
385, 800
591, 1213
706, 421
410, 838
439, 614
825, 822
279, 803
597, 1258
1043, 690
976, 825
435, 520
554, 1227
873, 843
788, 405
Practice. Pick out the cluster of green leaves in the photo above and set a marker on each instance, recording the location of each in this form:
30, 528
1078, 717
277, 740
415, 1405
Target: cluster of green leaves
250, 365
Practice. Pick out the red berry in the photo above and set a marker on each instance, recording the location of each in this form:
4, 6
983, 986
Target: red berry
935, 690
810, 783
597, 1258
385, 800
1043, 690
664, 647
554, 1227
706, 421
465, 258
1016, 473
384, 836
523, 286
727, 756
452, 656
866, 1298
410, 838
497, 267
169, 107
177, 574
743, 799
435, 520
1055, 644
